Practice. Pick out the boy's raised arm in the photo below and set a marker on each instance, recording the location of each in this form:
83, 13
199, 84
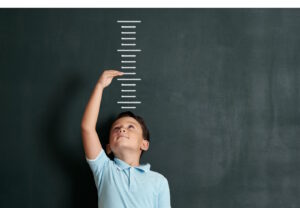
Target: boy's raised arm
90, 139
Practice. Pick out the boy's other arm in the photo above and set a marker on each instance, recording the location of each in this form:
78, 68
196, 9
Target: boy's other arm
90, 138
164, 199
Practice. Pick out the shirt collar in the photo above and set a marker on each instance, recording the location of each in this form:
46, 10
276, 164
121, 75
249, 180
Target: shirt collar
123, 165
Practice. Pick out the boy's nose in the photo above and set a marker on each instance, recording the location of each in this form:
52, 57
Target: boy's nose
122, 130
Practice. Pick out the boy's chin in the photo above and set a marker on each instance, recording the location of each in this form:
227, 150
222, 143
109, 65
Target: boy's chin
123, 148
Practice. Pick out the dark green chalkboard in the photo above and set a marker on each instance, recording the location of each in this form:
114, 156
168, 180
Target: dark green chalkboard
219, 91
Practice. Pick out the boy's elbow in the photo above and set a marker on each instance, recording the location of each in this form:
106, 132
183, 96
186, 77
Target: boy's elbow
85, 127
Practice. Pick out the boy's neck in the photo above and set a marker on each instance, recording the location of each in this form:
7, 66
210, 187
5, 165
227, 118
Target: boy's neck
131, 159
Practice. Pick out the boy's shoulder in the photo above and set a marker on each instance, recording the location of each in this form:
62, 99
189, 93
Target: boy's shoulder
156, 175
158, 180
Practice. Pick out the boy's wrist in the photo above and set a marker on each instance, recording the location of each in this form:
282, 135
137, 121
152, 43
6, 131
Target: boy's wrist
99, 85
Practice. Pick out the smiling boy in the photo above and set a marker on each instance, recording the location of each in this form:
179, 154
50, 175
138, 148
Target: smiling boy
123, 181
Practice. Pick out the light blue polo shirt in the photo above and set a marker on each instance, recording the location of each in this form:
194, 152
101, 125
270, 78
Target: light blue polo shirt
120, 185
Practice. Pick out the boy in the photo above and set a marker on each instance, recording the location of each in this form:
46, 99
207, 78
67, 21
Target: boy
123, 181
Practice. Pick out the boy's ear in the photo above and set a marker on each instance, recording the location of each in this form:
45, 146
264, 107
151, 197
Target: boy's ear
108, 150
145, 145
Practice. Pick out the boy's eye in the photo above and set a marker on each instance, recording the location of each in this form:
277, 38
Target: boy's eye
130, 126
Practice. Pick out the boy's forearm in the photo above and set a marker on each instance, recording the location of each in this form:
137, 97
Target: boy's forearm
90, 116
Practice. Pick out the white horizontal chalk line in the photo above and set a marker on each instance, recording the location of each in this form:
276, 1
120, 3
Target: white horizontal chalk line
125, 50
128, 55
128, 38
128, 61
128, 26
128, 90
128, 67
123, 32
128, 96
129, 21
129, 73
128, 44
133, 79
129, 102
128, 107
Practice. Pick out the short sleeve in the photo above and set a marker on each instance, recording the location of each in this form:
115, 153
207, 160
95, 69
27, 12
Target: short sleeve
97, 165
164, 200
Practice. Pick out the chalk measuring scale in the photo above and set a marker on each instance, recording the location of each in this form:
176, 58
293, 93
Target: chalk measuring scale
128, 53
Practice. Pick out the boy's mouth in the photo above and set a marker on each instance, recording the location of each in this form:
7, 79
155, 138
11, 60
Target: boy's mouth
122, 136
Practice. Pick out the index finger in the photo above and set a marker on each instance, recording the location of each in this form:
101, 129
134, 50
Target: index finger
114, 71
118, 72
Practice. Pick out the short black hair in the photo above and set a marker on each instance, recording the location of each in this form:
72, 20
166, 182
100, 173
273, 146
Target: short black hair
140, 120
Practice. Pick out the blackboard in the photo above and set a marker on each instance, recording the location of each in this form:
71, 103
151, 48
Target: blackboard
219, 92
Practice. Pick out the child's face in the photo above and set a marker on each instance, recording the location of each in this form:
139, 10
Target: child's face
126, 134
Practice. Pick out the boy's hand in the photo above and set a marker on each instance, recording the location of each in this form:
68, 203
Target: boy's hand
107, 76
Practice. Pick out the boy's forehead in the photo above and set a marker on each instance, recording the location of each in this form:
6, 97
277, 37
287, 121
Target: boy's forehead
126, 119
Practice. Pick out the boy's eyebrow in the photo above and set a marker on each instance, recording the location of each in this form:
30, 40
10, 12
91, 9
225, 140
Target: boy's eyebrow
128, 122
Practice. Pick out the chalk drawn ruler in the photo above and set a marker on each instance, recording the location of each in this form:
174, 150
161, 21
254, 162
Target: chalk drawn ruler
128, 52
